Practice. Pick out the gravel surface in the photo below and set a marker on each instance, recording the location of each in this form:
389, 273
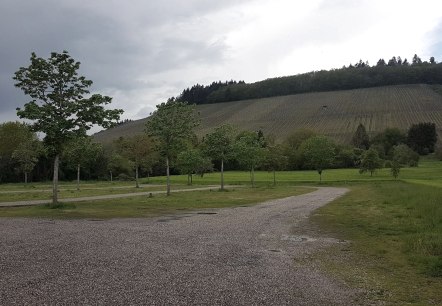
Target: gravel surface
256, 255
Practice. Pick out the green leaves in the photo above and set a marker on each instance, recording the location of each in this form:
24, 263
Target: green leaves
172, 125
58, 106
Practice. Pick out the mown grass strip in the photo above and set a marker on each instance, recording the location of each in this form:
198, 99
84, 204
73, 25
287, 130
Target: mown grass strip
156, 205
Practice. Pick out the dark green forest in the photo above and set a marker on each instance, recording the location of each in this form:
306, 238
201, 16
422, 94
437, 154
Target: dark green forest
360, 75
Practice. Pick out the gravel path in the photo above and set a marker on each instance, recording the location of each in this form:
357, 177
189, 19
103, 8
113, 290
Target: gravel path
256, 255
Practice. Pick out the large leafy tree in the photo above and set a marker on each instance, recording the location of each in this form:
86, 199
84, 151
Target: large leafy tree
218, 145
59, 107
422, 137
319, 153
172, 126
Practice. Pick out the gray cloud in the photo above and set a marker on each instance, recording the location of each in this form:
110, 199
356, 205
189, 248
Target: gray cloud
118, 43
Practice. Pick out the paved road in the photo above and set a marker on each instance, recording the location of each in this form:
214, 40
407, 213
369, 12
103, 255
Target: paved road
98, 197
256, 255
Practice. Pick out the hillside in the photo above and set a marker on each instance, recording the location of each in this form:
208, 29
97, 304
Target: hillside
335, 114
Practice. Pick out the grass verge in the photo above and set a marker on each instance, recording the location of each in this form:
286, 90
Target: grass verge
396, 234
144, 206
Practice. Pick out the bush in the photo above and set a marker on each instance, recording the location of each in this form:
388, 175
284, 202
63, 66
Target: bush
124, 177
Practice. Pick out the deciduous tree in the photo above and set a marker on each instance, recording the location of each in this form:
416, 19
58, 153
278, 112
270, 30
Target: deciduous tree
80, 151
172, 126
422, 137
140, 151
59, 108
192, 161
249, 152
319, 153
219, 146
370, 162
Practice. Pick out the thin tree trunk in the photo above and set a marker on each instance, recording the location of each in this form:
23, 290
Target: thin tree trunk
222, 174
78, 176
26, 178
136, 177
274, 177
191, 179
168, 176
148, 176
110, 175
55, 181
252, 175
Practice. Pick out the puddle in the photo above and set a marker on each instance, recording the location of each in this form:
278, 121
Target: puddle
295, 238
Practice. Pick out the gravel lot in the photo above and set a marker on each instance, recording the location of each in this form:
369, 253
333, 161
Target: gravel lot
255, 255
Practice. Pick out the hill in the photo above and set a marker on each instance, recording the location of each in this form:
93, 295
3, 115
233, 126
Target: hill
335, 114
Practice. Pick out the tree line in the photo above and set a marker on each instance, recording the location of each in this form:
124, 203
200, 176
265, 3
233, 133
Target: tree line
168, 151
395, 71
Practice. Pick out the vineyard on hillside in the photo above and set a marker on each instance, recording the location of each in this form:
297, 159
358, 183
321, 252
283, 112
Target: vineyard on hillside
335, 114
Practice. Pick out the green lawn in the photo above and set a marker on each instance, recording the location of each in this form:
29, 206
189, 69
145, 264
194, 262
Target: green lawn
396, 234
144, 206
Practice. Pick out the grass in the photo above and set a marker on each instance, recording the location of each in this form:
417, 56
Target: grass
17, 194
144, 206
396, 234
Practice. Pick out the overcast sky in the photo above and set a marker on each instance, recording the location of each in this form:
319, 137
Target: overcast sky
142, 52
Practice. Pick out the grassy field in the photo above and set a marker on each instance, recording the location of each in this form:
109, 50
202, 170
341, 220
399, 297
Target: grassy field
335, 114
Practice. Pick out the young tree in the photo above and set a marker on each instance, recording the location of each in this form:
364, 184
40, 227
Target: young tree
13, 135
319, 153
219, 146
249, 152
26, 155
172, 126
79, 152
360, 138
370, 162
395, 168
275, 160
140, 151
117, 164
58, 107
192, 161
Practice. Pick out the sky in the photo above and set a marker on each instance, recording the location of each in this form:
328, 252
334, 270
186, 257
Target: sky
143, 52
